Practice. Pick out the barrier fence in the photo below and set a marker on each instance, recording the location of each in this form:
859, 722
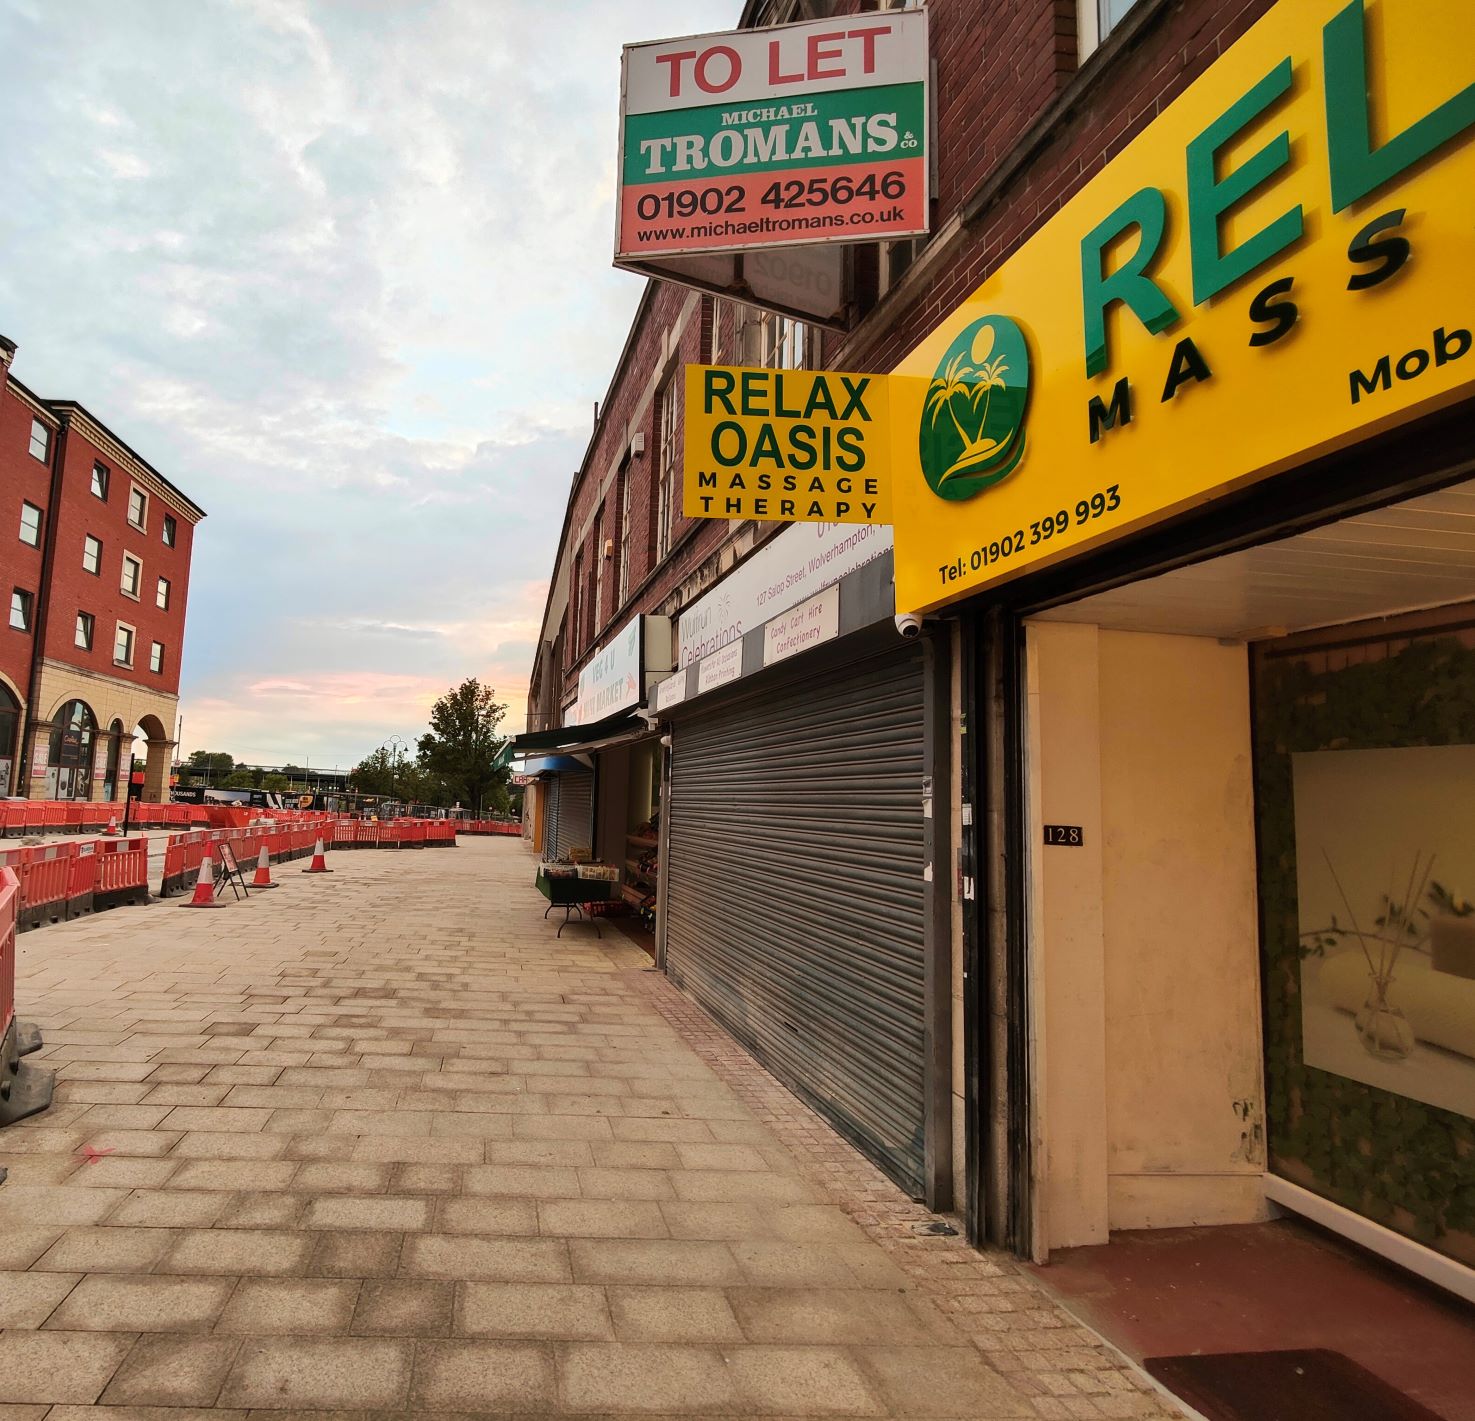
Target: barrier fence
29, 817
490, 826
9, 906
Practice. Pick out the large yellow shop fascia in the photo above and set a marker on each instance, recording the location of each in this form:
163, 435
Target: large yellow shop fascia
1281, 264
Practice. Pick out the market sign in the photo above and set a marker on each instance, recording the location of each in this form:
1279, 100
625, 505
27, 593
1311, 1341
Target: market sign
1280, 265
618, 676
793, 446
784, 136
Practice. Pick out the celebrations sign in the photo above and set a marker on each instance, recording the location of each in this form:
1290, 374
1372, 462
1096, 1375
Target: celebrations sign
1278, 266
792, 446
784, 136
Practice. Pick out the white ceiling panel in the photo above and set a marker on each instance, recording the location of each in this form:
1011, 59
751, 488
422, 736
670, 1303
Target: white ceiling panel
1399, 559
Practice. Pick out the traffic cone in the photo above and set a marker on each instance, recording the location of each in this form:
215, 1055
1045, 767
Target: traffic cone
263, 870
205, 885
319, 864
112, 831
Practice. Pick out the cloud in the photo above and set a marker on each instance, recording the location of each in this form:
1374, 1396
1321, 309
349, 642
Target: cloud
342, 273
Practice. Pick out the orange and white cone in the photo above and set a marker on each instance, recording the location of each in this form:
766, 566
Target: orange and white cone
319, 864
205, 885
263, 870
112, 831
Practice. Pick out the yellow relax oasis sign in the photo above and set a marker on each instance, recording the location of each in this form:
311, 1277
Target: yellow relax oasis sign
1281, 264
793, 446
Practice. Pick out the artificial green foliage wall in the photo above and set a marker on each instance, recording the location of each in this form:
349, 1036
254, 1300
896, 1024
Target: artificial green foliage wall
1407, 1165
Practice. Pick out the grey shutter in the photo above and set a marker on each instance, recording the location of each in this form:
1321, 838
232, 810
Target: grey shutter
575, 824
796, 899
549, 847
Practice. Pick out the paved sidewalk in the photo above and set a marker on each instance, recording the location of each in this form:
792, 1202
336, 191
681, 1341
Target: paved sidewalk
378, 1143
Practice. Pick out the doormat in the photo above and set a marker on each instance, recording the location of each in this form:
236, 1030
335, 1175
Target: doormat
1317, 1385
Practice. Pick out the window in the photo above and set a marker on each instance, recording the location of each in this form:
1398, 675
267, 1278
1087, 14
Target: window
138, 507
30, 524
86, 623
1096, 19
132, 575
576, 621
782, 342
22, 604
100, 482
624, 535
156, 658
92, 554
40, 440
161, 597
598, 569
666, 468
171, 528
123, 646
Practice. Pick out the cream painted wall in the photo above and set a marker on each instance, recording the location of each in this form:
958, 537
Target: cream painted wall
1185, 1093
1144, 940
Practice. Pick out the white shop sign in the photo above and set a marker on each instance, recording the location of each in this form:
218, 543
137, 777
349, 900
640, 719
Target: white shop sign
621, 673
791, 567
720, 668
807, 626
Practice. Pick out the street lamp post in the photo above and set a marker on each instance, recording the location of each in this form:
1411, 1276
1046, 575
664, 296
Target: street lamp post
397, 743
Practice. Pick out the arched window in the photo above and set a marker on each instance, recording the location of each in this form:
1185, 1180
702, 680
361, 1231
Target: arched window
72, 740
115, 749
9, 728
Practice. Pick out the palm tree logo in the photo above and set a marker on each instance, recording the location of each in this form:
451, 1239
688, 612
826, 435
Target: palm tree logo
972, 429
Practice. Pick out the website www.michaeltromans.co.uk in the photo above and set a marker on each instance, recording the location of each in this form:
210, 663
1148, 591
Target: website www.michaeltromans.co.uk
687, 231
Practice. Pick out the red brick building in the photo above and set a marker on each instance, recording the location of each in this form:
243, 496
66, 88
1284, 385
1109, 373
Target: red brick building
97, 584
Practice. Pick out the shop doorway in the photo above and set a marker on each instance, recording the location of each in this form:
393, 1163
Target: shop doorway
1249, 870
73, 742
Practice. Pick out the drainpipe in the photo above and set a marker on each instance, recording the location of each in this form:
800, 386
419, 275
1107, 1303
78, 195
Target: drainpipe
43, 595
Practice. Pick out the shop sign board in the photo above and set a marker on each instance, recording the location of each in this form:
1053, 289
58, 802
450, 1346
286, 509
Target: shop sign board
781, 136
805, 627
40, 760
1280, 265
619, 674
790, 567
792, 446
720, 668
671, 691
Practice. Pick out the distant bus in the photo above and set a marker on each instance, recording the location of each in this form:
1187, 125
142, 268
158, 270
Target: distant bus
242, 798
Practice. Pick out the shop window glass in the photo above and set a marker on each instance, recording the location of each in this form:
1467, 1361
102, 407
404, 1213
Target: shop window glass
1364, 766
30, 524
73, 742
9, 726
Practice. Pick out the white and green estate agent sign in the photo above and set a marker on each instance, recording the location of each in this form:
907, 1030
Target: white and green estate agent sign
784, 136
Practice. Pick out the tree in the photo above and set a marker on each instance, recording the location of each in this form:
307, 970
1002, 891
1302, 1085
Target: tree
209, 766
460, 748
239, 779
276, 782
374, 774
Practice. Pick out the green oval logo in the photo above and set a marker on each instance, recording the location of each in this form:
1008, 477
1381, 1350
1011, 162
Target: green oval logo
972, 433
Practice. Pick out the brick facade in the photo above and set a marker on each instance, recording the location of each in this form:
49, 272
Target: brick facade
1021, 126
43, 667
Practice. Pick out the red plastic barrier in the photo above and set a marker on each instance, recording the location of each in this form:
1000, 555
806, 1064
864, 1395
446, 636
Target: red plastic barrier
9, 911
81, 879
122, 872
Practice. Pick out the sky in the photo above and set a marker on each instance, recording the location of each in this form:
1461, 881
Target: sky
340, 270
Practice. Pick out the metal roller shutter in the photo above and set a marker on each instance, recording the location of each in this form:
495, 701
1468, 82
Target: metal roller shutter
574, 826
796, 898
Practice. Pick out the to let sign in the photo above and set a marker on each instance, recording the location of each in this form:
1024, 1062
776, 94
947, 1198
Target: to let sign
783, 136
791, 446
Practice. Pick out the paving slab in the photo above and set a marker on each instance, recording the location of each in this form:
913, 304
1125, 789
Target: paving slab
381, 1143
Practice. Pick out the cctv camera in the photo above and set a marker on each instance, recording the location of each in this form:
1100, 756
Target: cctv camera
909, 624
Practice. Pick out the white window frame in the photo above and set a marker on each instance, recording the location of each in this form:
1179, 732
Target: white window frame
87, 541
142, 521
42, 433
1091, 31
84, 632
624, 586
136, 594
103, 475
132, 644
25, 602
170, 530
666, 458
40, 516
156, 658
162, 594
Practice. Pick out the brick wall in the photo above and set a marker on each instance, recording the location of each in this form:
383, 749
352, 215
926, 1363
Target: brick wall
23, 479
